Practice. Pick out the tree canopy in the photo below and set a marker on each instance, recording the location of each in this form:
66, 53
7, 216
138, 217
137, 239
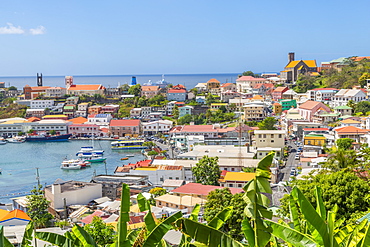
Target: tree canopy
207, 171
342, 188
267, 124
38, 208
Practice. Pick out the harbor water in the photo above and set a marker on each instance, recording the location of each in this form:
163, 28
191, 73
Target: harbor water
19, 162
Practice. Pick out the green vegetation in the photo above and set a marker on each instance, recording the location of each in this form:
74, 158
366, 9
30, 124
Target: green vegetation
355, 73
38, 208
207, 171
12, 110
220, 199
267, 124
102, 233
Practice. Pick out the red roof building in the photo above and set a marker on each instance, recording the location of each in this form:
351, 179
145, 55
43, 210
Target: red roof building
195, 189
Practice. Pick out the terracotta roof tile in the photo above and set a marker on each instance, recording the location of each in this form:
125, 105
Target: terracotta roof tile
85, 87
199, 189
124, 122
149, 88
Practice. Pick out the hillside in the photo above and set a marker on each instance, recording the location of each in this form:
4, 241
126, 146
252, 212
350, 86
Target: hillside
355, 73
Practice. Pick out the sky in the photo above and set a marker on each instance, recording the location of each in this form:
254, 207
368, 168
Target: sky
119, 37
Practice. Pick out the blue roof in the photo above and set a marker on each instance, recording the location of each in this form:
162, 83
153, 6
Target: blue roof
102, 115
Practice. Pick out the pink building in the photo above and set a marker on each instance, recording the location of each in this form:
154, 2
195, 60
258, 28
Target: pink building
84, 129
277, 94
309, 108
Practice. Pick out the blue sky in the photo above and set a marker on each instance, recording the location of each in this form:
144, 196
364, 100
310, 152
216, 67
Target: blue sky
175, 37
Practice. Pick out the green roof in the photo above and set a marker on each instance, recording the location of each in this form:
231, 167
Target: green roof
330, 115
315, 135
346, 116
338, 60
343, 107
69, 107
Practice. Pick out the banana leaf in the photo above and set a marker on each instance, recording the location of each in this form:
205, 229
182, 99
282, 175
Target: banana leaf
56, 239
143, 203
312, 217
220, 219
85, 238
156, 235
291, 236
366, 239
320, 207
27, 237
206, 235
3, 240
123, 217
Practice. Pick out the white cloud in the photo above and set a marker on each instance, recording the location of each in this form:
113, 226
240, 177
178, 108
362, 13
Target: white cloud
11, 29
38, 30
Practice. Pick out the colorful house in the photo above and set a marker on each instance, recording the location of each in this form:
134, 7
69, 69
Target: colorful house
236, 179
314, 140
296, 67
288, 104
309, 108
277, 108
13, 218
277, 94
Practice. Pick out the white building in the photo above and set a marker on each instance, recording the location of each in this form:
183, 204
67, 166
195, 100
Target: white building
55, 92
269, 138
99, 119
41, 104
72, 193
154, 127
12, 128
157, 174
345, 95
169, 107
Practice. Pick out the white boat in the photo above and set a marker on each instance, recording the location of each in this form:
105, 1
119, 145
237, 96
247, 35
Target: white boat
15, 140
2, 141
74, 164
89, 150
94, 158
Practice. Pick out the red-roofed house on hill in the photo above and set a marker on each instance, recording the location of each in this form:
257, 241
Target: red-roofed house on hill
277, 94
90, 90
228, 86
150, 91
309, 108
124, 127
200, 190
245, 83
176, 94
33, 92
350, 132
208, 131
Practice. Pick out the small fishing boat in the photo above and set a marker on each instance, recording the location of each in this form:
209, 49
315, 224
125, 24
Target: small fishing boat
15, 140
130, 155
124, 158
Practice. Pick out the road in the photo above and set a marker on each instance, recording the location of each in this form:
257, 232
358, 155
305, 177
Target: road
290, 163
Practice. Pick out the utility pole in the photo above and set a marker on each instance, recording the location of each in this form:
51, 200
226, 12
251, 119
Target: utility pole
38, 178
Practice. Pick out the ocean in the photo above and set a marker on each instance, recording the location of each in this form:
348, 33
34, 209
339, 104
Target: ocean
113, 81
19, 162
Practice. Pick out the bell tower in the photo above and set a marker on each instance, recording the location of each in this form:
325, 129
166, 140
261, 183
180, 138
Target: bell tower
39, 80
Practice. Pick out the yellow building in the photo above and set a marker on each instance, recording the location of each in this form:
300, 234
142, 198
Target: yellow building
216, 106
314, 140
236, 179
277, 108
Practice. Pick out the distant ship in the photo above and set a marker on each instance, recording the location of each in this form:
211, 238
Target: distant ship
161, 83
48, 138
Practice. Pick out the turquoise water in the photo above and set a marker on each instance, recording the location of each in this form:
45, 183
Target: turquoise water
19, 162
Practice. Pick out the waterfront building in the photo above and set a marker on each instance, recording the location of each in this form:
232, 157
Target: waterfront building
81, 130
39, 113
155, 127
99, 119
13, 127
124, 127
90, 90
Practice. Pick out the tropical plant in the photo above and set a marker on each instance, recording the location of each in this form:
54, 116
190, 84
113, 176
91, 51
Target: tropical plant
38, 206
207, 171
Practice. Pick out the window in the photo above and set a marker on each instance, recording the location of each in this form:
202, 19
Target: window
169, 177
232, 169
240, 185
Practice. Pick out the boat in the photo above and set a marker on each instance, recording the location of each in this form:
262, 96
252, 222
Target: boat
88, 151
94, 158
48, 138
130, 155
161, 83
124, 158
2, 141
128, 144
74, 164
15, 140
